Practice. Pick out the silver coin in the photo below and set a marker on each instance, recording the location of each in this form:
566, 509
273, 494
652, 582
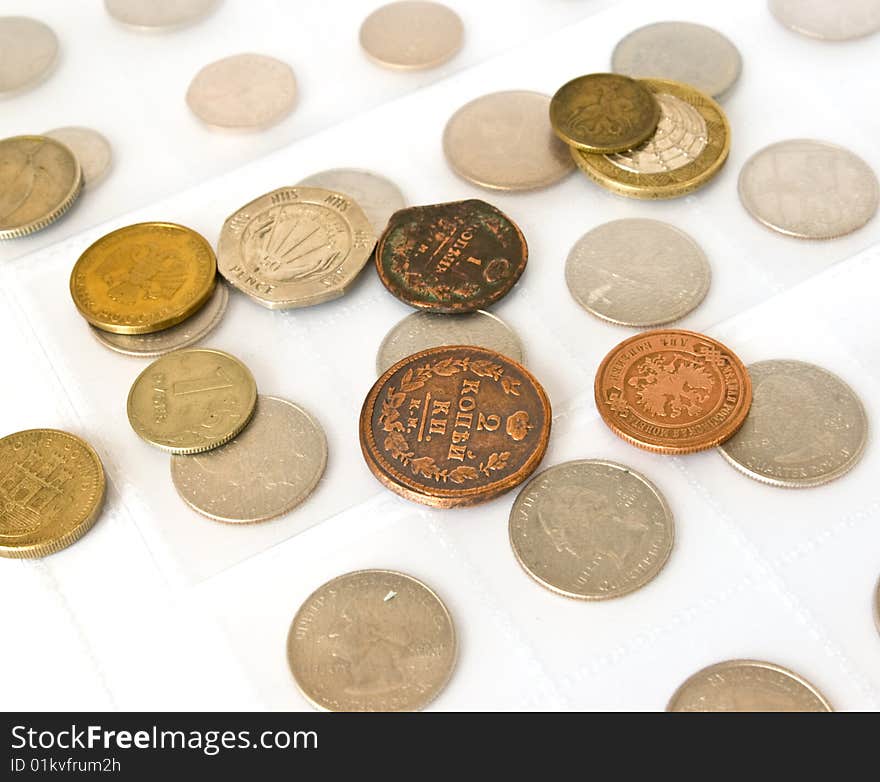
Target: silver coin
192, 330
591, 529
829, 20
245, 91
159, 14
377, 196
809, 189
680, 51
266, 471
805, 427
637, 272
90, 148
423, 330
28, 52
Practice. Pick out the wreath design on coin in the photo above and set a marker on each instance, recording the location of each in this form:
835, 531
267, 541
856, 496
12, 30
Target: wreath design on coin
415, 378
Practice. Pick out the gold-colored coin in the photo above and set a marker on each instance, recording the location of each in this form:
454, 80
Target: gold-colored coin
143, 278
40, 178
191, 401
604, 112
51, 491
747, 686
687, 150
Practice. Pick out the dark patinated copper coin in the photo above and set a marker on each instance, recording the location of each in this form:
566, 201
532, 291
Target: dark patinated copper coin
454, 426
455, 257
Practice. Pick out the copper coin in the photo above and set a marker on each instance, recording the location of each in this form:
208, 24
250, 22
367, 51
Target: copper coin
673, 391
455, 257
454, 426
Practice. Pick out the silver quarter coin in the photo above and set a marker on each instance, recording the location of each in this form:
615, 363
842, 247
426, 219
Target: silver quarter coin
806, 426
377, 196
192, 330
504, 141
90, 148
28, 52
637, 272
159, 14
245, 91
834, 20
680, 51
809, 189
423, 330
412, 34
591, 529
266, 471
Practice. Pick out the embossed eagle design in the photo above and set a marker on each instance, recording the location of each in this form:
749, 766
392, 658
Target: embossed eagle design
669, 387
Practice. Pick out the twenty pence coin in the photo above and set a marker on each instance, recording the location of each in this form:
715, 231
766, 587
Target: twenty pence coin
412, 35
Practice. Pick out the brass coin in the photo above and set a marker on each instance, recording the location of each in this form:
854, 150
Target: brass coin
504, 141
747, 686
604, 112
143, 278
454, 426
51, 492
192, 400
591, 529
40, 179
372, 640
455, 257
687, 150
295, 247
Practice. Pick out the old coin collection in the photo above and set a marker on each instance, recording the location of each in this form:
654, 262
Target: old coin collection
454, 418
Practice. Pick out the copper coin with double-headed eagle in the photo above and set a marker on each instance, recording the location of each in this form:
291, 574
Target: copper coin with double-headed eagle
673, 391
454, 426
455, 257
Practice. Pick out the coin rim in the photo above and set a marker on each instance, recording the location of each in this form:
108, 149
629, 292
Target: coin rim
286, 507
634, 139
726, 665
453, 662
724, 434
40, 550
783, 483
660, 564
450, 498
187, 450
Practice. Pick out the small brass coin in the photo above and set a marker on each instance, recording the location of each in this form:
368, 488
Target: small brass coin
40, 179
747, 686
51, 492
604, 112
372, 640
192, 400
143, 278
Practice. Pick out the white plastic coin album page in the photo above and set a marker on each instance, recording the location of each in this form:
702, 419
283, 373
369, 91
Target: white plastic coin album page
160, 608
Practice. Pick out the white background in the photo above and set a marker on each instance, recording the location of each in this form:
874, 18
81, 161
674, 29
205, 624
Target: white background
157, 608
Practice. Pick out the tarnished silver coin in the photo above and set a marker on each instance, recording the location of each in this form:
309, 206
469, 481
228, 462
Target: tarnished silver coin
243, 92
412, 34
591, 529
159, 14
838, 20
266, 471
504, 141
295, 247
190, 331
806, 426
28, 52
91, 149
637, 272
423, 330
681, 51
377, 196
809, 189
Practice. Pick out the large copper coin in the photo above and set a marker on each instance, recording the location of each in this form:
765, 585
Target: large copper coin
455, 257
454, 426
673, 391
